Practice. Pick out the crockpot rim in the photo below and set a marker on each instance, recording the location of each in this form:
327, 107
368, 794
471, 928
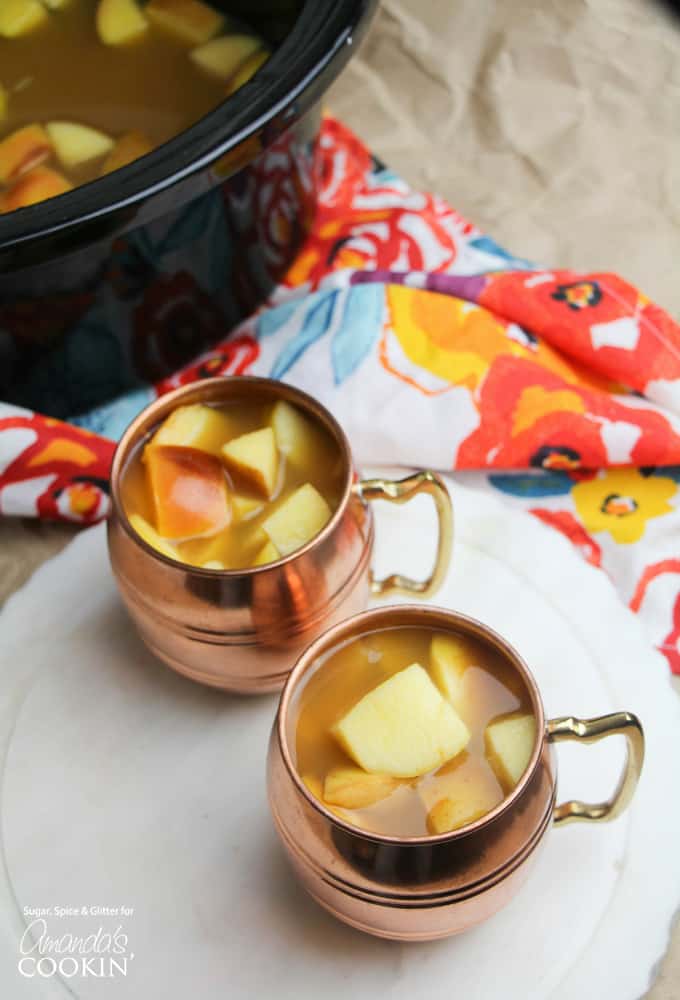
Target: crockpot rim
274, 97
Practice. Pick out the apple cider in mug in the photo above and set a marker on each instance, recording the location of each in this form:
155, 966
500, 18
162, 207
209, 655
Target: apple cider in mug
232, 486
409, 732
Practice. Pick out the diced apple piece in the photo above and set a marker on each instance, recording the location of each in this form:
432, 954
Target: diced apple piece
459, 794
196, 426
189, 492
509, 745
189, 20
254, 459
18, 17
296, 437
120, 21
267, 554
403, 727
449, 658
127, 149
22, 150
222, 56
313, 785
31, 188
244, 507
247, 70
151, 536
213, 564
299, 518
353, 788
76, 144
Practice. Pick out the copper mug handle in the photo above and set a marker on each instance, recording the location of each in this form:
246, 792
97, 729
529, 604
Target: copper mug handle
401, 491
591, 731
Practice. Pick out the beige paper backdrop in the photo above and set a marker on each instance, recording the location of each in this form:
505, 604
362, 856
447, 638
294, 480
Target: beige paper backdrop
552, 124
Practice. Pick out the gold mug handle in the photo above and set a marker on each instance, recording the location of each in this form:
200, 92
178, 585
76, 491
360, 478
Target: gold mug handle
401, 491
591, 731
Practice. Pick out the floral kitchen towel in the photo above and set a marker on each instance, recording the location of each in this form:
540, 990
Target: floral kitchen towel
434, 347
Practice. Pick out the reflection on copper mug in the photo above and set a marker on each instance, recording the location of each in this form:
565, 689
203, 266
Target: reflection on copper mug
243, 629
422, 888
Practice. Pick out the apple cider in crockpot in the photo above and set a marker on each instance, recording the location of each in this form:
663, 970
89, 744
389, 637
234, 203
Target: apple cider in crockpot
88, 86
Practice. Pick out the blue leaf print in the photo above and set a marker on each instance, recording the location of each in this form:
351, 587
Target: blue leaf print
524, 484
359, 329
272, 320
111, 419
191, 223
487, 245
314, 325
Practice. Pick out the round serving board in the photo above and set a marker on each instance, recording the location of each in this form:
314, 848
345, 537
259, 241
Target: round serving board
124, 785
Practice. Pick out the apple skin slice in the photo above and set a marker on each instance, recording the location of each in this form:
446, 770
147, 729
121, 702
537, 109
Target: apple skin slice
221, 57
18, 17
120, 21
23, 150
76, 144
127, 149
36, 186
189, 492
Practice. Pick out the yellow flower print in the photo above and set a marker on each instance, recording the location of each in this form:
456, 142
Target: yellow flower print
621, 501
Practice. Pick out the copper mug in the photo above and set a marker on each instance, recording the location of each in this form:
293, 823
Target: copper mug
242, 630
423, 888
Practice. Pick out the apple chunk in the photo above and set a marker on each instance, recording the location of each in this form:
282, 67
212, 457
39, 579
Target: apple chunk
267, 554
22, 150
253, 458
196, 426
353, 788
191, 21
189, 492
403, 727
76, 144
151, 536
222, 56
247, 70
127, 149
296, 437
120, 21
299, 518
449, 658
459, 794
244, 507
18, 17
36, 186
509, 745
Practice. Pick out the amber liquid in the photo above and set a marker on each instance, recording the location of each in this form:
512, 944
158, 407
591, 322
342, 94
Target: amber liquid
238, 545
347, 673
61, 71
